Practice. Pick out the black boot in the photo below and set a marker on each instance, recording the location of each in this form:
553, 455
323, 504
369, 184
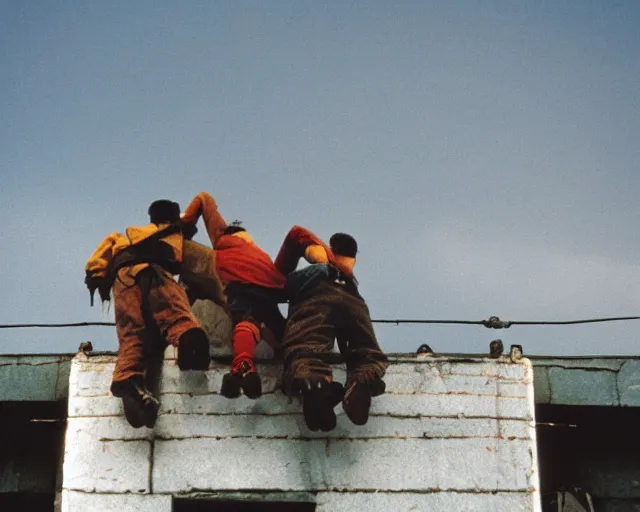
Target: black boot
231, 385
378, 387
140, 406
193, 350
242, 376
319, 397
357, 402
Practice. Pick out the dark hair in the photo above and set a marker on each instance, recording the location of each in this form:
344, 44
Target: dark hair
164, 211
232, 228
343, 245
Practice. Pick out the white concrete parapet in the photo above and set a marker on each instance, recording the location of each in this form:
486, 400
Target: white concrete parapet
449, 434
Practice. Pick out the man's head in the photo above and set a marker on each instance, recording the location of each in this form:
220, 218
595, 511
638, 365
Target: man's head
234, 227
230, 230
164, 211
343, 245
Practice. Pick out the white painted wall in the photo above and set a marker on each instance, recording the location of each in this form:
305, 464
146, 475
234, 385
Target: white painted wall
450, 434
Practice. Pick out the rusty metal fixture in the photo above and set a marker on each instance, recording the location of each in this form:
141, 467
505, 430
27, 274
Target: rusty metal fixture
85, 347
495, 323
516, 353
496, 349
424, 349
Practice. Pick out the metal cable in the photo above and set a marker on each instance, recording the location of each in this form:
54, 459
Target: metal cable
492, 323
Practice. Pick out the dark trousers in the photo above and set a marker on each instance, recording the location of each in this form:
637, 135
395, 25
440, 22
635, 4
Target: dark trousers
325, 312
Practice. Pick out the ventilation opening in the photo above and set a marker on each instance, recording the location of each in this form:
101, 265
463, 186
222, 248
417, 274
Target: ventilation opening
199, 505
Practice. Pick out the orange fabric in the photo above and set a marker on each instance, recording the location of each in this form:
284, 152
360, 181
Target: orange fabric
98, 263
238, 257
167, 304
294, 247
246, 336
316, 254
346, 262
244, 262
203, 204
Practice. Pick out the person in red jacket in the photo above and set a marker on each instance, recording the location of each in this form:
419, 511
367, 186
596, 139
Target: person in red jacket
324, 304
253, 287
150, 307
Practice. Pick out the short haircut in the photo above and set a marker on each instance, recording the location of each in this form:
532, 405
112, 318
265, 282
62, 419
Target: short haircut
164, 211
343, 245
231, 229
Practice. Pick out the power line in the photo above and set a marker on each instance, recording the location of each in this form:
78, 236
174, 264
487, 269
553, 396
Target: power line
77, 324
492, 323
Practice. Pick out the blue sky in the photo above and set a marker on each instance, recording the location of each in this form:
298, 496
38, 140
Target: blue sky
484, 154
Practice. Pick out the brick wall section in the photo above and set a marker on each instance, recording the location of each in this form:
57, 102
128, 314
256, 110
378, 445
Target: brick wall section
450, 434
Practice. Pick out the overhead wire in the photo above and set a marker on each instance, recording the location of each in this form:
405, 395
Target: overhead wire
492, 323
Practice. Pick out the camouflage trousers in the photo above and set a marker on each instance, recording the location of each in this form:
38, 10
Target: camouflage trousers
328, 312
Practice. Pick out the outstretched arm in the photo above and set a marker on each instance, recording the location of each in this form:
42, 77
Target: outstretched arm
203, 204
299, 243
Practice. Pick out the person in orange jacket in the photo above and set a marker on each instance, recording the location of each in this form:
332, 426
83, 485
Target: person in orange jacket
324, 304
253, 287
149, 305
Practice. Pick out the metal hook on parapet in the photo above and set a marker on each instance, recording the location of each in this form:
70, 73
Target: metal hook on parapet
495, 323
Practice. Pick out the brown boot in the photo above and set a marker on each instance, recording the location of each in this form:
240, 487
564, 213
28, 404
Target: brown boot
357, 402
140, 406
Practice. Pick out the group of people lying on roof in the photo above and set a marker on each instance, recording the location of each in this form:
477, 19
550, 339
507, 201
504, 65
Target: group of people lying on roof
138, 267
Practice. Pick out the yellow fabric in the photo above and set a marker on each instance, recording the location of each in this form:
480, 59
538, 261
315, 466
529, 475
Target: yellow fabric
316, 254
98, 262
245, 236
346, 262
102, 256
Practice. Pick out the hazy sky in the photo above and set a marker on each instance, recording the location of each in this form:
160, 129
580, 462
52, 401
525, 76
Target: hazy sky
484, 154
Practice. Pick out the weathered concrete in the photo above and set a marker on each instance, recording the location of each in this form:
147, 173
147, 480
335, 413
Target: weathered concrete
460, 502
601, 381
81, 501
465, 427
34, 377
562, 381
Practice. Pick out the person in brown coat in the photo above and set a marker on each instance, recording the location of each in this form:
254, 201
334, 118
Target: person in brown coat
325, 305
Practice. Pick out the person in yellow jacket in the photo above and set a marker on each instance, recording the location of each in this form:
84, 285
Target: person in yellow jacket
151, 308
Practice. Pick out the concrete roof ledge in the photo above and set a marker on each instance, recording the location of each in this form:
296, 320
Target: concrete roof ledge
597, 381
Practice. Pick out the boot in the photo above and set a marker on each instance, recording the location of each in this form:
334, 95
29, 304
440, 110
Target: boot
319, 397
243, 376
140, 406
193, 350
357, 402
378, 387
